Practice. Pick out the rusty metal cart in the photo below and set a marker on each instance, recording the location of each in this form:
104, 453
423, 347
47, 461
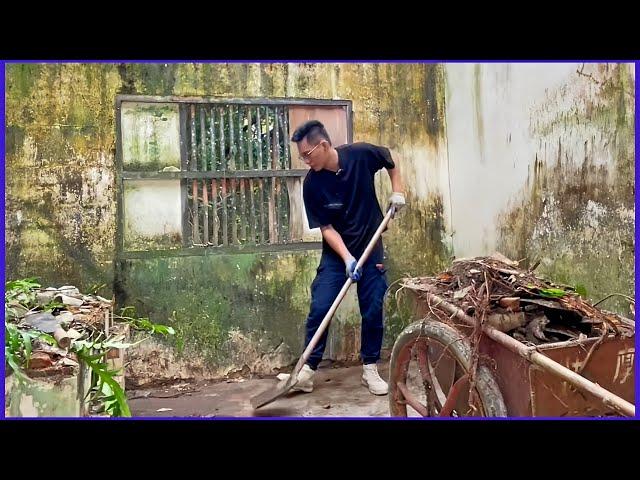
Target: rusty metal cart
432, 369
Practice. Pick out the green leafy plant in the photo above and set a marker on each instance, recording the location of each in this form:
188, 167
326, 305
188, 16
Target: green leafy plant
19, 297
52, 305
18, 346
105, 391
549, 292
128, 314
552, 292
95, 288
21, 290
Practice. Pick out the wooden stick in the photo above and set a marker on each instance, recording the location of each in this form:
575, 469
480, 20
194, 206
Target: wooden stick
607, 398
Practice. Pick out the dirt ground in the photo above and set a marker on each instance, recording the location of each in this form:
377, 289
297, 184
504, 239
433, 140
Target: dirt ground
338, 392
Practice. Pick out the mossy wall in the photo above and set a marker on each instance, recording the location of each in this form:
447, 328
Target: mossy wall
542, 168
228, 311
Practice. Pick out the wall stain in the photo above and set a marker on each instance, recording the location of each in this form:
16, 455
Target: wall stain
576, 213
477, 104
434, 98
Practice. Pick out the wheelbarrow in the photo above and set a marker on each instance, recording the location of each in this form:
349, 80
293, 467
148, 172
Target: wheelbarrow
431, 370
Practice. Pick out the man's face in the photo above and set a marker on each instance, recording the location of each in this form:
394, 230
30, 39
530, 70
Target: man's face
313, 155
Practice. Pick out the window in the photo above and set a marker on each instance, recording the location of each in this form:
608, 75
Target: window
198, 175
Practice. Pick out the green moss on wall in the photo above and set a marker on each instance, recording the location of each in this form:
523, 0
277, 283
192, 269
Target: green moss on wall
417, 247
61, 210
204, 298
576, 213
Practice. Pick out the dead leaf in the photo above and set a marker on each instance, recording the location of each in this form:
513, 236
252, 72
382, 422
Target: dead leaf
445, 277
459, 294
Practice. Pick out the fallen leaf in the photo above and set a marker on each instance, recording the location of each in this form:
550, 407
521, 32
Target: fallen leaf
445, 277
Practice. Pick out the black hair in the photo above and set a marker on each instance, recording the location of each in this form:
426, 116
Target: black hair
313, 131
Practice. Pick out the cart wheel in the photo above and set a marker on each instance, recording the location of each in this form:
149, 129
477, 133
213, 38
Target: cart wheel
428, 371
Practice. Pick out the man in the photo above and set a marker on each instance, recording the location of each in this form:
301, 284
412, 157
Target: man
340, 199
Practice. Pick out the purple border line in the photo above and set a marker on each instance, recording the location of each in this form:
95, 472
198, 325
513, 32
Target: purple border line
637, 230
4, 162
378, 419
302, 60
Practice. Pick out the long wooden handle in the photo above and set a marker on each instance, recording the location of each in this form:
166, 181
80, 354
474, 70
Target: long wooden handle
327, 318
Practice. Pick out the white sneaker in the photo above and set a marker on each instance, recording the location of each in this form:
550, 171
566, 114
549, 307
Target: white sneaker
305, 379
371, 379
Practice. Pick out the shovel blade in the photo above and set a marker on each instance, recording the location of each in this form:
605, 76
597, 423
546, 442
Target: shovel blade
281, 389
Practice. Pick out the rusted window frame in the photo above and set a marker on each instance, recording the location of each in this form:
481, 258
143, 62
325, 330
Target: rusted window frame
122, 175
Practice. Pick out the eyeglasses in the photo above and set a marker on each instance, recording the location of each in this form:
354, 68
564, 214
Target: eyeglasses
306, 155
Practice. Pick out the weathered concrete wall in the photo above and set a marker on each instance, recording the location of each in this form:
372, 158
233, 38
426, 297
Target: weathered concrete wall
542, 167
228, 310
50, 397
534, 160
60, 199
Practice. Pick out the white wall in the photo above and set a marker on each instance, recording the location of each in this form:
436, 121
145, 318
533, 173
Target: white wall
494, 113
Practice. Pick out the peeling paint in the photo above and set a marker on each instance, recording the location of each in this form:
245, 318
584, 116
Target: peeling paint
63, 120
573, 206
558, 181
51, 397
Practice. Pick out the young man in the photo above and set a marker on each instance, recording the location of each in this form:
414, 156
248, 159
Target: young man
340, 199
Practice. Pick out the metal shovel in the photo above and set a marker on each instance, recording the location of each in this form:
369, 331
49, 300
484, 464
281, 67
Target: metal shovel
285, 385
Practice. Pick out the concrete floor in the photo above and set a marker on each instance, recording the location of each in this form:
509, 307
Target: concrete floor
337, 393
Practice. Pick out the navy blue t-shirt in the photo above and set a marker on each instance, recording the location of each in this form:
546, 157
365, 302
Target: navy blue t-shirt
346, 199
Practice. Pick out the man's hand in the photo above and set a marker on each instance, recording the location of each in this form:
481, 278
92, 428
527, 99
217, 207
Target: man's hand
396, 201
352, 272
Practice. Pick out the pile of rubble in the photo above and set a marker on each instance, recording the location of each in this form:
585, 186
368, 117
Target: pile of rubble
67, 315
519, 303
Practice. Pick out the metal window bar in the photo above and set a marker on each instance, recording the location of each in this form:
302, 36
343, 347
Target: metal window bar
246, 201
204, 163
251, 171
214, 182
194, 185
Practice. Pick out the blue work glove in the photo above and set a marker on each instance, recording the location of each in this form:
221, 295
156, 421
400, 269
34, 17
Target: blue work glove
351, 271
396, 201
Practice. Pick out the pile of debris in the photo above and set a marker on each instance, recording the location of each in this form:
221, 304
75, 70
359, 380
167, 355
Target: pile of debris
67, 315
519, 303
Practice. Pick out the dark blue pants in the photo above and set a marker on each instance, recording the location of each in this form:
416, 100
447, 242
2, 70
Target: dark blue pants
372, 286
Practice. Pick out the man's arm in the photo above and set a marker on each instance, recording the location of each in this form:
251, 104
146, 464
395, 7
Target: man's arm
334, 239
396, 180
397, 199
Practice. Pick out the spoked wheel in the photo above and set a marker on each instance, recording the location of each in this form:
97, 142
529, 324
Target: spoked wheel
429, 372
